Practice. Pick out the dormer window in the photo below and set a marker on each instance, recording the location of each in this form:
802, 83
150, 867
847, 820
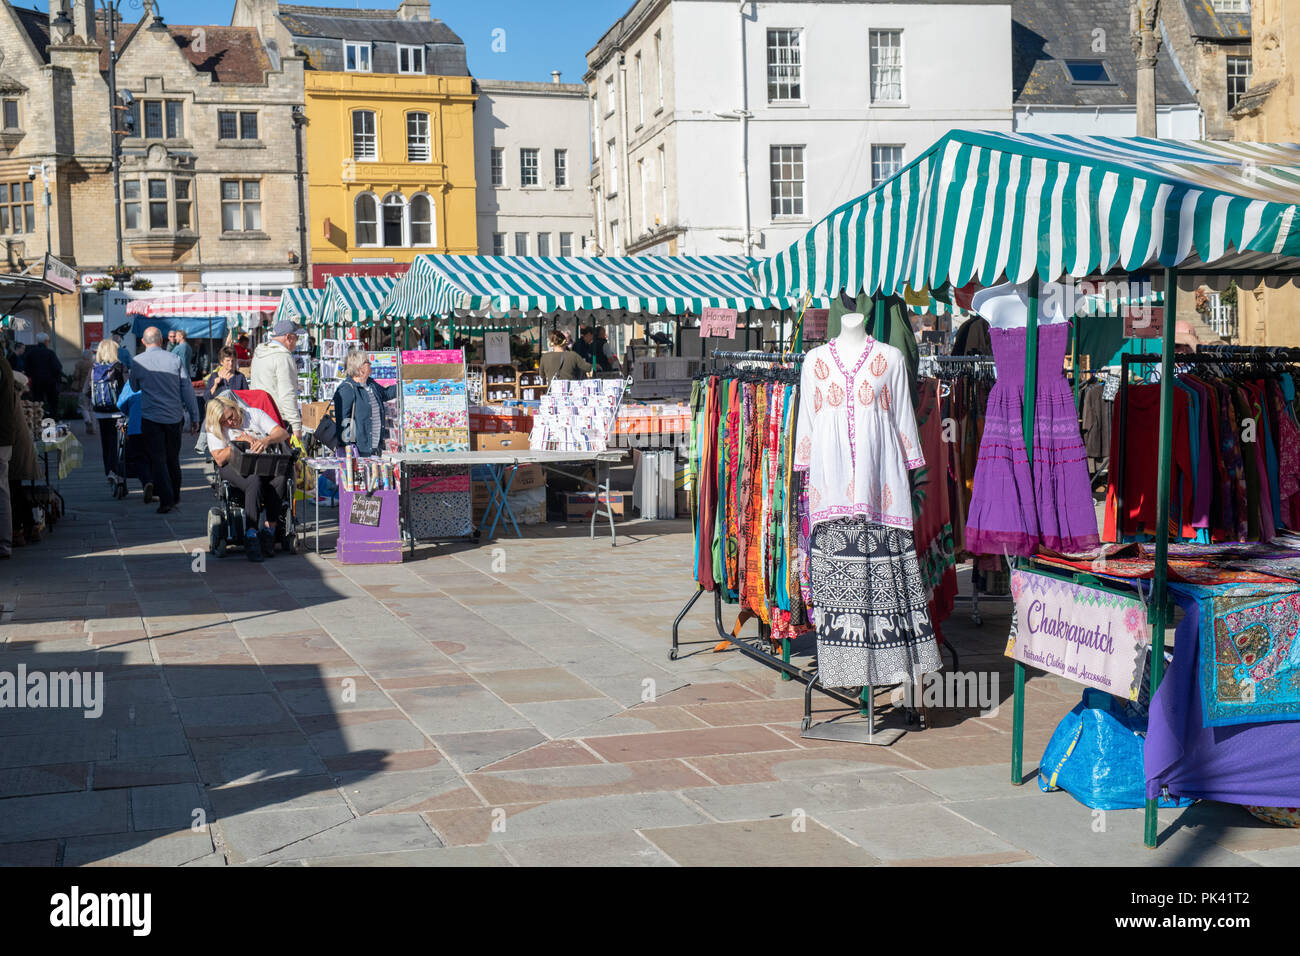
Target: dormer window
356, 57
410, 59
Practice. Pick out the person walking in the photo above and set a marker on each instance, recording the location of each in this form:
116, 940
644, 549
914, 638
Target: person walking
44, 370
359, 406
275, 371
107, 376
184, 353
167, 402
81, 386
562, 363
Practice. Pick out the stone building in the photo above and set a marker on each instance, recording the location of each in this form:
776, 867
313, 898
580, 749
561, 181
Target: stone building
1210, 39
390, 132
1269, 112
533, 163
209, 175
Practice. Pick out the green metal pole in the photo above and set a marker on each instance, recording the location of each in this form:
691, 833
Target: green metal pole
1028, 414
878, 317
1160, 580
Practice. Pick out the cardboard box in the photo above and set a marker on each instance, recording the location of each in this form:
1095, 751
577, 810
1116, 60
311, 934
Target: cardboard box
526, 478
499, 441
578, 505
313, 412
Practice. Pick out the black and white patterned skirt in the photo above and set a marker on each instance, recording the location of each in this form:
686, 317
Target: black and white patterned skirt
873, 622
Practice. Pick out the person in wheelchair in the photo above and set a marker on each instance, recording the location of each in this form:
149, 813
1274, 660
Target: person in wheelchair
228, 422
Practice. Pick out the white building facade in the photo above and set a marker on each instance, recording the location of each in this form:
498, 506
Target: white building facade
532, 166
721, 128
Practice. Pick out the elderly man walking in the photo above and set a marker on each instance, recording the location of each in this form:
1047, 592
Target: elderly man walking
167, 401
275, 371
183, 351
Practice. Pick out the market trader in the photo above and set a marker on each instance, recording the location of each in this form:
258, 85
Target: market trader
167, 401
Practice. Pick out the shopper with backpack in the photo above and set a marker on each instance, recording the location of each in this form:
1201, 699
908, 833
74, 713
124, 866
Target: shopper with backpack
107, 376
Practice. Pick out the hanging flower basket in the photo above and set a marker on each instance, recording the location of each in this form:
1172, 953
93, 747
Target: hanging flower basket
121, 275
142, 285
103, 285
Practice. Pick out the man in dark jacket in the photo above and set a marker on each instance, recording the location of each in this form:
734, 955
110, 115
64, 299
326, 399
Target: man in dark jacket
8, 430
44, 369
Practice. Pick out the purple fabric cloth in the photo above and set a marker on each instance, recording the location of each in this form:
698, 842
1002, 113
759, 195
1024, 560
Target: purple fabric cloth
1011, 510
1255, 764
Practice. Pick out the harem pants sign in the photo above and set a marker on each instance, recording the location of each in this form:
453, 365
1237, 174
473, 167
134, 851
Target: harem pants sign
1090, 636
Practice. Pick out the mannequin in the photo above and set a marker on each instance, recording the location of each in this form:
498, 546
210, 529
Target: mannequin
853, 339
1006, 306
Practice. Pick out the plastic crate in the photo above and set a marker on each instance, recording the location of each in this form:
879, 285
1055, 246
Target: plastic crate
265, 465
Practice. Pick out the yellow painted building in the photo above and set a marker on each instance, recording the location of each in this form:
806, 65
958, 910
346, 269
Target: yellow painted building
390, 167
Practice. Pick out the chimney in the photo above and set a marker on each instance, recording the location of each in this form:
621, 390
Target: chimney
413, 10
555, 76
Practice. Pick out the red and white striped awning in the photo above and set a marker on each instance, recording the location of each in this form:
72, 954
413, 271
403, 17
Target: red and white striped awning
203, 304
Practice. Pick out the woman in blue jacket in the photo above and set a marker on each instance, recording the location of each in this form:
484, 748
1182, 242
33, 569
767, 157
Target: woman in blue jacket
359, 406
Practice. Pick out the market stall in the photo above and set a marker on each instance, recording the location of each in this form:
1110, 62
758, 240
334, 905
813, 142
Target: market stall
1030, 210
201, 315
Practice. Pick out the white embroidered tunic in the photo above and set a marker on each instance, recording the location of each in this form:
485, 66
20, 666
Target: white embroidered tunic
857, 435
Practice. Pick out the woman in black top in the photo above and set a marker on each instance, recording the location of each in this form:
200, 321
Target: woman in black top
226, 376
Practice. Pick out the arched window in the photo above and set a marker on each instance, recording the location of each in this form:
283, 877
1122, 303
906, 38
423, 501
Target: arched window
421, 220
394, 220
367, 221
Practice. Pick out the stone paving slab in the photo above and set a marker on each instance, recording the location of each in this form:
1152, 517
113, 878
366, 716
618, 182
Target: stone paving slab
315, 714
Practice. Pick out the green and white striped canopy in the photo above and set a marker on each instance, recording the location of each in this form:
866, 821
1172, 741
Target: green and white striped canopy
981, 206
298, 304
442, 286
354, 300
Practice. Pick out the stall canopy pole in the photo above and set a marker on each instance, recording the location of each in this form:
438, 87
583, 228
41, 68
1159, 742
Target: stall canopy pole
1160, 579
1027, 424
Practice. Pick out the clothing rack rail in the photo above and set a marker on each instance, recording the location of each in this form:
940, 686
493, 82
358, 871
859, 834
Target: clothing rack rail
1204, 355
758, 648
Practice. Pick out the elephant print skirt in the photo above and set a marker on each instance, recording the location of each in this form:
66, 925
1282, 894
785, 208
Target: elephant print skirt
873, 623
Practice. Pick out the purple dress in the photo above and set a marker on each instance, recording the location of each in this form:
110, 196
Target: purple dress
1010, 511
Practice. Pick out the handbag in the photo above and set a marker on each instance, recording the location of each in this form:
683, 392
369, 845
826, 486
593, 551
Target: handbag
327, 432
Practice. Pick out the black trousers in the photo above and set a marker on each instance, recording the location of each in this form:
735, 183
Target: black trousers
163, 442
108, 444
259, 493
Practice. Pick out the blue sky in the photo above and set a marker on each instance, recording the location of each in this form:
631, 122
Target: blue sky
538, 37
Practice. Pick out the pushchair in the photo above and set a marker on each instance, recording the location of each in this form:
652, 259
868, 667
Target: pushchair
227, 522
118, 476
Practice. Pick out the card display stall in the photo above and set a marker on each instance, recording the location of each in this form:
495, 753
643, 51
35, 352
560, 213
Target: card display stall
435, 418
578, 415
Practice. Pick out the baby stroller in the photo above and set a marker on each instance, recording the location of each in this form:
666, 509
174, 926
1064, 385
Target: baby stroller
227, 522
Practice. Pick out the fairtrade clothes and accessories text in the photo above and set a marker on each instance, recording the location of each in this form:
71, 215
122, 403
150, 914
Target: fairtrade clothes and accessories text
1094, 637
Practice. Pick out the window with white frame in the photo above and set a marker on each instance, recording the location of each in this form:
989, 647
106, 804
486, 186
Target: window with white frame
543, 243
183, 202
392, 212
1239, 71
613, 237
421, 220
417, 138
241, 205
528, 171
158, 218
131, 203
356, 57
659, 68
498, 243
787, 181
886, 161
784, 66
566, 243
609, 94
365, 144
410, 59
18, 210
498, 166
521, 243
561, 168
367, 217
1230, 6
886, 66
611, 174
663, 186
595, 128
641, 188
640, 93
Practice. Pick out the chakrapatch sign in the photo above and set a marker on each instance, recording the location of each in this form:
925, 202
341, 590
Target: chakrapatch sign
1090, 636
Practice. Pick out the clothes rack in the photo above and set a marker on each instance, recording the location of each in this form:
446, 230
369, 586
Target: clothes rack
760, 647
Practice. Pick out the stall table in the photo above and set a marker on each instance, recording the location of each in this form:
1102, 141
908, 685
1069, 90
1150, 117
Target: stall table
496, 462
